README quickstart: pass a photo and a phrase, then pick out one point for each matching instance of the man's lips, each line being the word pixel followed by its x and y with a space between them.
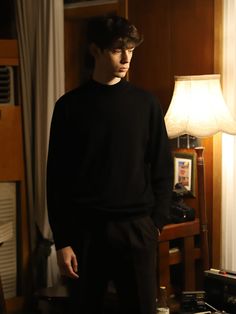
pixel 123 69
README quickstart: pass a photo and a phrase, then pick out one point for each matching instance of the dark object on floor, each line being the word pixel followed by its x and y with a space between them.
pixel 54 300
pixel 193 301
pixel 220 287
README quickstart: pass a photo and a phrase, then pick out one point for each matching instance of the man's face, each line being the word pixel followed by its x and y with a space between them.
pixel 114 62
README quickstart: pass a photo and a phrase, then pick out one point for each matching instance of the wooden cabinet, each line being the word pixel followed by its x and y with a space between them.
pixel 11 144
pixel 12 167
pixel 9 52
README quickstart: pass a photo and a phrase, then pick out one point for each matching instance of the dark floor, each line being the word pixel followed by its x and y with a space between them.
pixel 44 306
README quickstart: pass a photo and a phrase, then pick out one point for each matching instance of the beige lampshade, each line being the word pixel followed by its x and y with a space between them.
pixel 198 108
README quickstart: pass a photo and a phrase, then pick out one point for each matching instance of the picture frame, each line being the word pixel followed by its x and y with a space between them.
pixel 185 171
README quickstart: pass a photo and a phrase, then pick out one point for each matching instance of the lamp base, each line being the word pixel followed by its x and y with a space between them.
pixel 202 207
pixel 187 141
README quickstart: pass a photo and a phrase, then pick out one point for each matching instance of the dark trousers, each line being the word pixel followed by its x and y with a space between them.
pixel 121 251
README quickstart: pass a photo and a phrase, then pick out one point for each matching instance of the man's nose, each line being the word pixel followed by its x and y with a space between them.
pixel 124 56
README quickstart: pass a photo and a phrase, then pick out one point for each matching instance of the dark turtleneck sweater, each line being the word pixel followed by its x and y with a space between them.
pixel 108 157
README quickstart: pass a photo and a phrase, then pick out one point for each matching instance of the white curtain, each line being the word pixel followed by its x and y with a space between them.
pixel 40 27
pixel 228 141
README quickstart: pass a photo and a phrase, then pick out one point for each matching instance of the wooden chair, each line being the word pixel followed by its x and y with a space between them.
pixel 186 252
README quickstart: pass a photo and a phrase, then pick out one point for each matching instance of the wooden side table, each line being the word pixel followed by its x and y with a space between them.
pixel 187 252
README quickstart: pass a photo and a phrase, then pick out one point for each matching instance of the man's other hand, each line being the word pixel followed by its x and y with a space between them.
pixel 67 262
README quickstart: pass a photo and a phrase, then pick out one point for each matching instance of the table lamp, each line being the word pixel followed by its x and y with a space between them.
pixel 198 109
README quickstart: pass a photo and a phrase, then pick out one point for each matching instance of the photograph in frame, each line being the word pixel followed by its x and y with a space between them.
pixel 184 171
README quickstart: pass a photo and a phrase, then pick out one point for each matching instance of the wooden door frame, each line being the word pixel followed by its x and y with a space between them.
pixel 217 147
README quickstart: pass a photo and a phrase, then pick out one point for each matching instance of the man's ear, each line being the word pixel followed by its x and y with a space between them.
pixel 94 50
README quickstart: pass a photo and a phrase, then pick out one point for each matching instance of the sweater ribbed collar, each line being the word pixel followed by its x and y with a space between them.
pixel 107 87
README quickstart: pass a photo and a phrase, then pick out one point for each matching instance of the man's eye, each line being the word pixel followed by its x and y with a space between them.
pixel 116 50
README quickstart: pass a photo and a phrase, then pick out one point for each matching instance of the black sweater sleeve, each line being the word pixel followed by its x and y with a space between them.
pixel 161 162
pixel 57 178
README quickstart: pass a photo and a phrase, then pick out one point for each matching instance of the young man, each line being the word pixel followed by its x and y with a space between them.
pixel 109 178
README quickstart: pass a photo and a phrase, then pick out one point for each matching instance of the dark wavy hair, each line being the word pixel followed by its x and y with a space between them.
pixel 107 32
pixel 112 31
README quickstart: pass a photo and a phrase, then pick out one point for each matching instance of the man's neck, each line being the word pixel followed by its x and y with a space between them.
pixel 105 80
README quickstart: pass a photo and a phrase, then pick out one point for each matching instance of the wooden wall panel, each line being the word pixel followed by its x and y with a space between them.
pixel 151 66
pixel 178 40
pixel 74 52
pixel 192 36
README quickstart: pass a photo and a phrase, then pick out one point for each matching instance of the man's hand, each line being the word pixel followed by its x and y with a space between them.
pixel 67 262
